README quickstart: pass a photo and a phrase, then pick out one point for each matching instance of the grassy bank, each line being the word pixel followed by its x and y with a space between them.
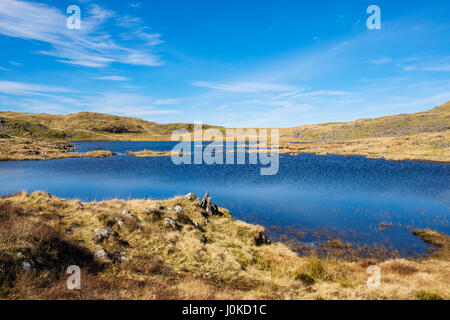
pixel 149 153
pixel 32 149
pixel 176 249
pixel 423 146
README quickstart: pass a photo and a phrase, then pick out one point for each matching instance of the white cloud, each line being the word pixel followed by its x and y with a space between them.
pixel 91 46
pixel 112 78
pixel 244 86
pixel 322 93
pixel 438 67
pixel 20 88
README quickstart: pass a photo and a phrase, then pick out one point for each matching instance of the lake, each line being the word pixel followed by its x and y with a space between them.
pixel 311 195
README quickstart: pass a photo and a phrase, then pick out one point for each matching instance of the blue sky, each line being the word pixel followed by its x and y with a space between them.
pixel 227 62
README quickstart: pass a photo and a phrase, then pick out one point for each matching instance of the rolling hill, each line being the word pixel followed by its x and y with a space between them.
pixel 434 120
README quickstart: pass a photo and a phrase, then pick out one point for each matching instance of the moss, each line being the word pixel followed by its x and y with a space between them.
pixel 305 279
pixel 425 295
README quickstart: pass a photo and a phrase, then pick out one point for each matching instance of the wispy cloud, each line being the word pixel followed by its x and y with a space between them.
pixel 16 64
pixel 437 67
pixel 112 78
pixel 244 86
pixel 322 93
pixel 381 61
pixel 91 46
pixel 20 88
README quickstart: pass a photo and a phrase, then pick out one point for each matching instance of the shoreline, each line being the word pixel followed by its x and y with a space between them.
pixel 190 250
pixel 419 148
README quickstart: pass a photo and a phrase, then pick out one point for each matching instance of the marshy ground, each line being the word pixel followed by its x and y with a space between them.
pixel 177 249
pixel 36 149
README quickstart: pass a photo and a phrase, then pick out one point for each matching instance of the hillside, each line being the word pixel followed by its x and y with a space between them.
pixel 97 126
pixel 86 126
pixel 435 120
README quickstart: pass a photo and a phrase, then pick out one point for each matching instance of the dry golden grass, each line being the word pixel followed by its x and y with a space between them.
pixel 218 259
pixel 31 149
pixel 423 146
pixel 150 153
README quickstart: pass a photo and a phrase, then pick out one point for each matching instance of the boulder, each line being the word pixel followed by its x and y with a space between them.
pixel 101 253
pixel 190 197
pixel 25 265
pixel 172 224
pixel 115 256
pixel 102 234
pixel 118 256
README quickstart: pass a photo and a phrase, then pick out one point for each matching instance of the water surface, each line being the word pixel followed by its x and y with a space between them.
pixel 349 197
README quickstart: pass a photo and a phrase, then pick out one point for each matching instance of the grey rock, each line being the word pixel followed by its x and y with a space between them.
pixel 172 224
pixel 105 232
pixel 101 253
pixel 25 265
pixel 190 197
pixel 118 256
pixel 179 210
pixel 102 234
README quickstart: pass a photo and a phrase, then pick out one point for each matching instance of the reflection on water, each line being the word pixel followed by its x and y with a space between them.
pixel 347 197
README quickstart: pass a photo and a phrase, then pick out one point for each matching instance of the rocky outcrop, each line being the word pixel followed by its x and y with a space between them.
pixel 262 239
pixel 115 256
pixel 210 208
pixel 102 234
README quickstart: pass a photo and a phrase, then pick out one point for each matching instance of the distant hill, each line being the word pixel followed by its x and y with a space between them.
pixel 97 126
pixel 435 120
pixel 87 126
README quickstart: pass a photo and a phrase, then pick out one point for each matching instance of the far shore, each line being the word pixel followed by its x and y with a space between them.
pixel 421 147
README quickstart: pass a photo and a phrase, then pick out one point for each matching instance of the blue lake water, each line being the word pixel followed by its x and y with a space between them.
pixel 348 197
